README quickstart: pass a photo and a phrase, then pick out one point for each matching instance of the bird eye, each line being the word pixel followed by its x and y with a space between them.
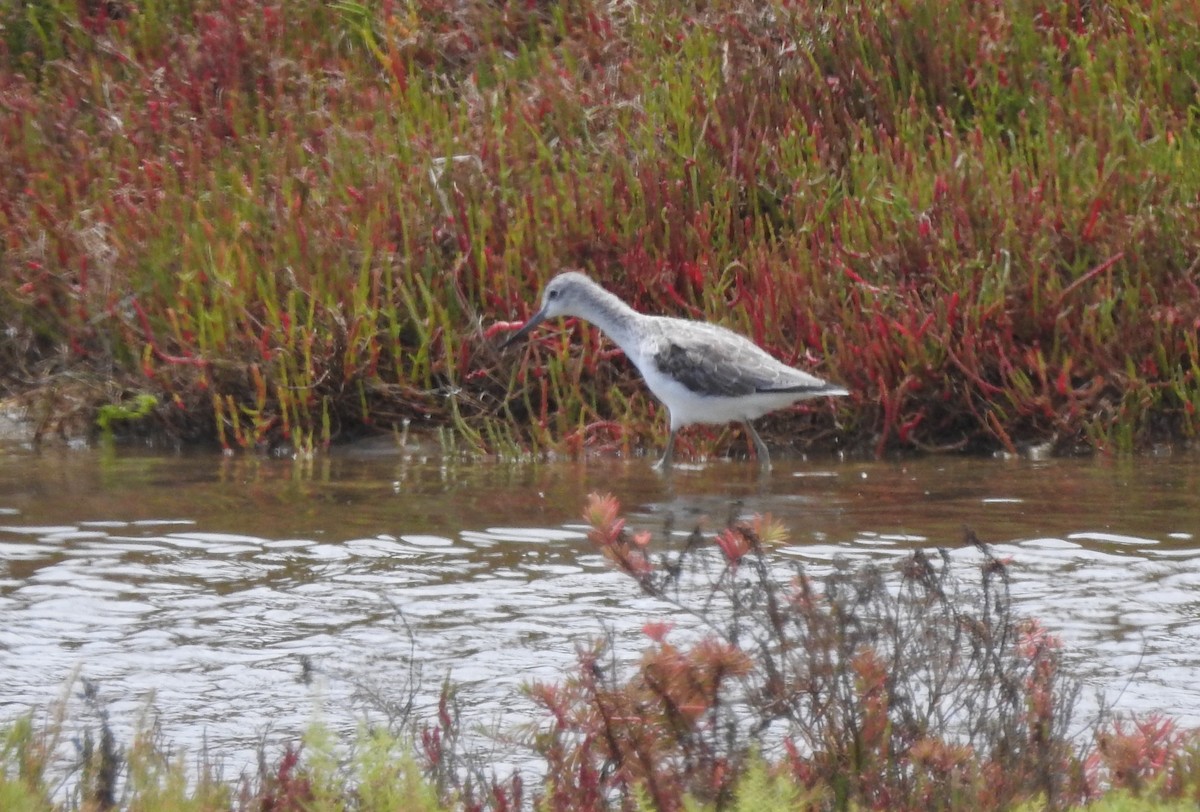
pixel 552 294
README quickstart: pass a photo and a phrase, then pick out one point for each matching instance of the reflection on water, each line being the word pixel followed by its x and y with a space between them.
pixel 211 585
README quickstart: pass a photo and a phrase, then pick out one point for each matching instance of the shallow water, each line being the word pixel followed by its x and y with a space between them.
pixel 243 597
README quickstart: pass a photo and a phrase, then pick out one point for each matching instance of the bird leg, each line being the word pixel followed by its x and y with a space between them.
pixel 668 453
pixel 760 448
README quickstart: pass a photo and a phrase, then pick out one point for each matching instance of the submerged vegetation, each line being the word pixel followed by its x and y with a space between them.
pixel 760 687
pixel 290 223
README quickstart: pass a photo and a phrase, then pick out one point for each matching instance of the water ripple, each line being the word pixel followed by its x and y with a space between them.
pixel 212 613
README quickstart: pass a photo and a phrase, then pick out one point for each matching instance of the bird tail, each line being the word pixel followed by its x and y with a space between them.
pixel 820 389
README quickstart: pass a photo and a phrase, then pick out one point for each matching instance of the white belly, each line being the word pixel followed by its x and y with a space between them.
pixel 687 407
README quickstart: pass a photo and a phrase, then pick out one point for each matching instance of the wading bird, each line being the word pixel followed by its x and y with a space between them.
pixel 702 373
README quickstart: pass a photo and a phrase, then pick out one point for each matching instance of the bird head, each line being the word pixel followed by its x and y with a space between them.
pixel 563 295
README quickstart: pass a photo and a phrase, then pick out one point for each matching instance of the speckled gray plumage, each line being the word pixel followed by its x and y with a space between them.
pixel 711 360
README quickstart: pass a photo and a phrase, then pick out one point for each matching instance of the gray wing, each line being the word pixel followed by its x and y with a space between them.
pixel 713 361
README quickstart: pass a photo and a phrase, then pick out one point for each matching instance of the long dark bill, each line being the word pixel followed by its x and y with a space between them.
pixel 533 322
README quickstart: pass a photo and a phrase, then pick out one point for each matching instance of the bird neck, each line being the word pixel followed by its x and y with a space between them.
pixel 614 318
